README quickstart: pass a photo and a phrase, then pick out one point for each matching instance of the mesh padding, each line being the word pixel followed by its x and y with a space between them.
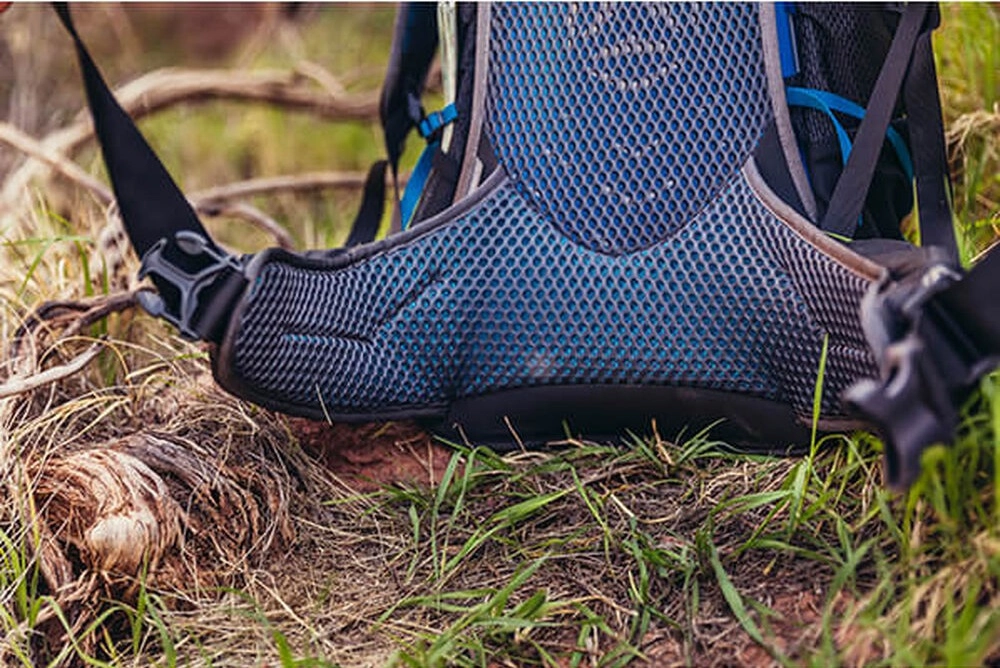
pixel 501 299
pixel 621 121
pixel 841 49
pixel 626 247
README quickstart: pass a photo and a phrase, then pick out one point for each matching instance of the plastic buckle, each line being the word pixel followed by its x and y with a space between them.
pixel 437 120
pixel 189 286
pixel 926 371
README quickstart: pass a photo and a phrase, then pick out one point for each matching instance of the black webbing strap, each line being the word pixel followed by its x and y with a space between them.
pixel 910 44
pixel 414 44
pixel 152 207
pixel 366 224
pixel 930 161
pixel 196 280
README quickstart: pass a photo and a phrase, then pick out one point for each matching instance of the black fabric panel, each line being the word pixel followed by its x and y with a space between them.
pixel 842 48
pixel 536 415
pixel 365 226
pixel 850 193
pixel 771 164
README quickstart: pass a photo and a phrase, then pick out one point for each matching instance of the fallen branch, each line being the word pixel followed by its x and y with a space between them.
pixel 15 385
pixel 209 206
pixel 271 184
pixel 54 159
pixel 250 214
pixel 167 87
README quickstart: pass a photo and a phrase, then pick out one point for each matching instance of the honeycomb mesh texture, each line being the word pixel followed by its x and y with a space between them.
pixel 500 298
pixel 621 121
pixel 841 49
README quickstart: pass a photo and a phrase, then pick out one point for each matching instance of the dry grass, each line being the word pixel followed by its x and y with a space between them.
pixel 148 518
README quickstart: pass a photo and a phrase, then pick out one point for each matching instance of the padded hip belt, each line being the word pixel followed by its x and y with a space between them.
pixel 496 298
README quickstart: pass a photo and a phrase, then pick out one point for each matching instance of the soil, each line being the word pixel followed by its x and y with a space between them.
pixel 368 456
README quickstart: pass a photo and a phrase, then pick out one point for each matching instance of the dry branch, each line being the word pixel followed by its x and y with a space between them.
pixel 307 182
pixel 167 87
pixel 250 214
pixel 19 385
pixel 42 151
pixel 209 206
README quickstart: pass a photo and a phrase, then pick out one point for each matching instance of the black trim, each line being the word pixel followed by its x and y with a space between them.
pixel 540 415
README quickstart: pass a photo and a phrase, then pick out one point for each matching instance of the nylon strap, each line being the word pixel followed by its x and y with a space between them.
pixel 930 161
pixel 851 190
pixel 152 207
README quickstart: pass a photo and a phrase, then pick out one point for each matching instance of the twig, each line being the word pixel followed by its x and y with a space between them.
pixel 250 214
pixel 164 88
pixel 65 167
pixel 79 313
pixel 15 386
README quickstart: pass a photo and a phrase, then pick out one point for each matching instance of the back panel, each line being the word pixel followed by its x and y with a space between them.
pixel 620 122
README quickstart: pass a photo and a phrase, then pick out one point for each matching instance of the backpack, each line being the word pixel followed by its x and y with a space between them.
pixel 625 213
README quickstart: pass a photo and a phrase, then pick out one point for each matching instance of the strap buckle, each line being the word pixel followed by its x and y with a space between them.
pixel 199 300
pixel 928 368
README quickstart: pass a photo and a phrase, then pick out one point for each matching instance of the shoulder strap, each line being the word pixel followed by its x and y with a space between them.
pixel 196 280
pixel 152 207
pixel 908 69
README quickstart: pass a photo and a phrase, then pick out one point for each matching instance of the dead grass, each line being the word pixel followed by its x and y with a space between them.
pixel 148 518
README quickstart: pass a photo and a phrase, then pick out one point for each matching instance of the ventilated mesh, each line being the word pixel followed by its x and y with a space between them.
pixel 841 49
pixel 626 248
pixel 501 299
pixel 621 121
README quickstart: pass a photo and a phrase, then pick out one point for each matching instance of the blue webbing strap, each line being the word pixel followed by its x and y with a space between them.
pixel 787 48
pixel 828 103
pixel 429 128
pixel 415 186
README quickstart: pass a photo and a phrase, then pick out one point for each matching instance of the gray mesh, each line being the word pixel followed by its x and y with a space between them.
pixel 621 121
pixel 501 299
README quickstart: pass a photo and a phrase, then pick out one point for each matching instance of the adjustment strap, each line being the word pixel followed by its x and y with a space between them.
pixel 151 205
pixel 437 120
pixel 849 195
pixel 366 224
pixel 430 129
pixel 925 125
pixel 196 280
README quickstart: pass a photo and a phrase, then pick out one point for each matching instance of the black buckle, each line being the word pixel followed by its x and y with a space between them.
pixel 191 313
pixel 928 367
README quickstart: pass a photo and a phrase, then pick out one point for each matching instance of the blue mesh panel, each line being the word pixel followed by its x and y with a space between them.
pixel 500 299
pixel 621 121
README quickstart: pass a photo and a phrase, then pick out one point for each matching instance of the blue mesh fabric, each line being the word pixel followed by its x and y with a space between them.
pixel 621 121
pixel 625 248
pixel 501 299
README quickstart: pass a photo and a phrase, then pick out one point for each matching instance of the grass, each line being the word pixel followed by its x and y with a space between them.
pixel 670 550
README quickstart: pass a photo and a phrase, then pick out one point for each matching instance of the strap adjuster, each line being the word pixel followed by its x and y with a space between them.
pixel 201 307
pixel 928 368
pixel 436 120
